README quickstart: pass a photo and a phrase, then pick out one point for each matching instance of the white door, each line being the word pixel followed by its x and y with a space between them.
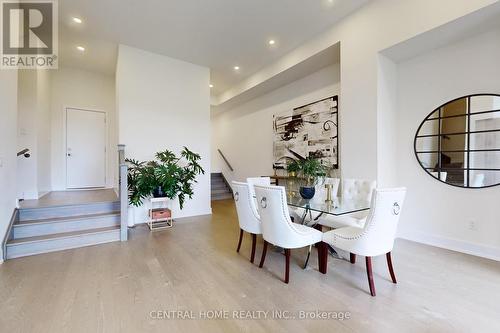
pixel 85 148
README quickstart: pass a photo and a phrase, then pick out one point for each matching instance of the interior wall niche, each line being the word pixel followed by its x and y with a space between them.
pixel 459 142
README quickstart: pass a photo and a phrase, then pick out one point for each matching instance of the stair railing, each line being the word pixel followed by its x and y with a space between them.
pixel 123 192
pixel 225 160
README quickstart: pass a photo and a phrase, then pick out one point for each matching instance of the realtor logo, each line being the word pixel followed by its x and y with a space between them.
pixel 29 34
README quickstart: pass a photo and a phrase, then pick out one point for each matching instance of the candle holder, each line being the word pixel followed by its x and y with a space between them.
pixel 329 188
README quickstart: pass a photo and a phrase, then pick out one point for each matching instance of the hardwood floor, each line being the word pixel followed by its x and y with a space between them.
pixel 194 266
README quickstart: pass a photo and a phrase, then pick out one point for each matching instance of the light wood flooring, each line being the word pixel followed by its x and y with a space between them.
pixel 194 266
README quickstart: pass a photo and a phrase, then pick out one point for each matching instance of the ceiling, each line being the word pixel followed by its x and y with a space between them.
pixel 218 34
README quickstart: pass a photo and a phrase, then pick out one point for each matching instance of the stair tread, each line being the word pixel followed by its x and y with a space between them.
pixel 61 235
pixel 222 196
pixel 68 205
pixel 65 218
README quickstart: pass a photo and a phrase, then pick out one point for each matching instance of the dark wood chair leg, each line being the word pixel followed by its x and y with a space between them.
pixel 264 252
pixel 287 265
pixel 370 275
pixel 391 269
pixel 254 241
pixel 318 227
pixel 239 242
pixel 323 257
pixel 353 258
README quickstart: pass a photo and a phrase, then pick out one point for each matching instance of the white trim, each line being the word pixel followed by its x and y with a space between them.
pixel 457 245
pixel 65 136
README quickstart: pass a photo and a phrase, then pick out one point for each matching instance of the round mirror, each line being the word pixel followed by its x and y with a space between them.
pixel 459 142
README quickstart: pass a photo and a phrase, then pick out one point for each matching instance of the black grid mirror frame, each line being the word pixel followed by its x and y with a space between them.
pixel 439 169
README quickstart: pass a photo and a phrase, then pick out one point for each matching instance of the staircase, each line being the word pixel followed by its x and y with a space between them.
pixel 48 229
pixel 220 189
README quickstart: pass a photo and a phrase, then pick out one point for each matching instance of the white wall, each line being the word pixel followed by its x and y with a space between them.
pixel 437 213
pixel 374 27
pixel 245 133
pixel 34 133
pixel 27 187
pixel 8 148
pixel 43 118
pixel 81 89
pixel 164 103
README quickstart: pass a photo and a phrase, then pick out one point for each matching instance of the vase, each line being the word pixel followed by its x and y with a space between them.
pixel 158 192
pixel 307 192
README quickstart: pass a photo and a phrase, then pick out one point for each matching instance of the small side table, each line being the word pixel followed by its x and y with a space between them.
pixel 160 216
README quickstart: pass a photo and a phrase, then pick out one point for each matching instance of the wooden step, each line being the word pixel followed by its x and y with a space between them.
pixel 219 187
pixel 221 191
pixel 43 213
pixel 224 196
pixel 40 227
pixel 27 246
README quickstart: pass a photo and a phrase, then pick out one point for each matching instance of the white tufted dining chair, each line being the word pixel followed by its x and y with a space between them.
pixel 320 196
pixel 252 181
pixel 352 189
pixel 374 239
pixel 277 227
pixel 248 216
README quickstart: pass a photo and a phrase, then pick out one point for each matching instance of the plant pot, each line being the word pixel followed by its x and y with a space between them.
pixel 307 192
pixel 158 193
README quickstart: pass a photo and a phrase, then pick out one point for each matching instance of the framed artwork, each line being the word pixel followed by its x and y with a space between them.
pixel 307 131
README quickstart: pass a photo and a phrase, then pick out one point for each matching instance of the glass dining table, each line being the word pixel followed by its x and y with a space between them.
pixel 338 206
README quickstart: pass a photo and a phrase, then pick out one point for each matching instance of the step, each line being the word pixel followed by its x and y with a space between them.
pixel 56 242
pixel 42 213
pixel 222 191
pixel 219 186
pixel 224 196
pixel 32 228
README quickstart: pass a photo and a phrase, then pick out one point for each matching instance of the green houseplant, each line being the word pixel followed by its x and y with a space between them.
pixel 309 171
pixel 165 176
pixel 293 168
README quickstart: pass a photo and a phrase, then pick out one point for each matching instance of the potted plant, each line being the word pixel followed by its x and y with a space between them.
pixel 293 168
pixel 166 176
pixel 309 171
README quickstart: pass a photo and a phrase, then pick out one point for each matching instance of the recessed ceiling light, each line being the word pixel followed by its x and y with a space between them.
pixel 211 85
pixel 236 68
pixel 77 20
pixel 80 48
pixel 272 42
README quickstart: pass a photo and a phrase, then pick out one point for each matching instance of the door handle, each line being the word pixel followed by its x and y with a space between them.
pixel 69 154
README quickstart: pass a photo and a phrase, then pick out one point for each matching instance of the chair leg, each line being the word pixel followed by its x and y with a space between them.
pixel 370 275
pixel 353 258
pixel 318 227
pixel 323 257
pixel 254 241
pixel 264 252
pixel 287 265
pixel 308 256
pixel 239 242
pixel 391 269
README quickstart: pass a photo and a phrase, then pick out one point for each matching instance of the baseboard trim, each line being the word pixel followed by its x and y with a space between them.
pixel 457 245
pixel 8 234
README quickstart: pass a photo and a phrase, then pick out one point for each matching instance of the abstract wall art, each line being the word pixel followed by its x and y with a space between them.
pixel 307 131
